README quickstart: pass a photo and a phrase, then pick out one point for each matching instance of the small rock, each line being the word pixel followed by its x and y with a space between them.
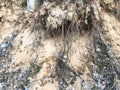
pixel 98 50
pixel 4 45
pixel 1 85
pixel 65 57
pixel 25 88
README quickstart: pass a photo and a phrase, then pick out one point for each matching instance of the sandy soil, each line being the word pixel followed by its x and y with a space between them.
pixel 32 56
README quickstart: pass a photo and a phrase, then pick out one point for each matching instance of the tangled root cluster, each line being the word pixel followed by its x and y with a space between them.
pixel 77 12
pixel 81 15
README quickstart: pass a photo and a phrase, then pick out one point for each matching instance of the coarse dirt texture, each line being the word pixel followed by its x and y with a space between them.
pixel 63 45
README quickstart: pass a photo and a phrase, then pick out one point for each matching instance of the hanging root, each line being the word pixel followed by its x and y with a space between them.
pixel 74 15
pixel 66 75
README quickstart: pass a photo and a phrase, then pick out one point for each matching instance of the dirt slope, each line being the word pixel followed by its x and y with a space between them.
pixel 32 58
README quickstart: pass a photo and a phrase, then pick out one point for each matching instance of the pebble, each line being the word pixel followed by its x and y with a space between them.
pixel 4 45
pixel 1 85
pixel 98 50
pixel 25 88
